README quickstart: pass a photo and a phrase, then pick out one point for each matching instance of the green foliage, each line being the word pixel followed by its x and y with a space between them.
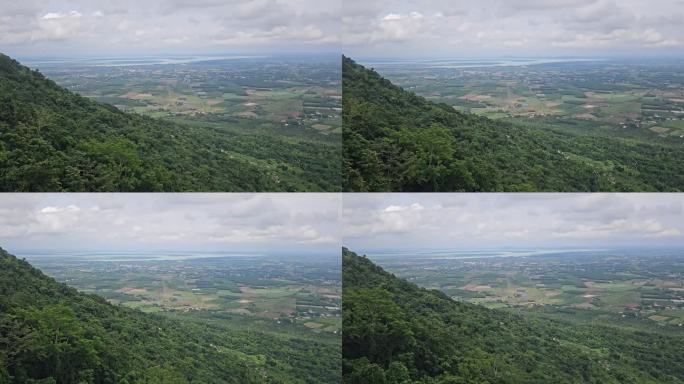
pixel 54 345
pixel 396 332
pixel 51 333
pixel 397 141
pixel 54 140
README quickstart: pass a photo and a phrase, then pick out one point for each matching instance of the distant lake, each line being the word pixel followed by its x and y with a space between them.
pixel 469 254
pixel 45 257
pixel 131 256
pixel 129 62
pixel 475 63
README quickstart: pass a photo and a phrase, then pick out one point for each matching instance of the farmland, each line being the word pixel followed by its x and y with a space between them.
pixel 646 96
pixel 628 287
pixel 284 293
pixel 243 92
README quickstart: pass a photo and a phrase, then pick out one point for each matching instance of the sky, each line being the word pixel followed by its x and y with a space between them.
pixel 66 28
pixel 286 223
pixel 461 28
pixel 262 223
pixel 361 28
pixel 488 221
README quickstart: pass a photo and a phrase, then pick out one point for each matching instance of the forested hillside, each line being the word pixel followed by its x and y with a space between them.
pixel 54 140
pixel 51 333
pixel 396 332
pixel 395 140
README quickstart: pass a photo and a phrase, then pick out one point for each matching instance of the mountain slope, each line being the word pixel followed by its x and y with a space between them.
pixel 394 140
pixel 54 140
pixel 396 332
pixel 51 333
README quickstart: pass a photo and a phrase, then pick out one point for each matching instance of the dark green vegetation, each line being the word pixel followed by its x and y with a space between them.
pixel 51 333
pixel 54 140
pixel 396 332
pixel 395 140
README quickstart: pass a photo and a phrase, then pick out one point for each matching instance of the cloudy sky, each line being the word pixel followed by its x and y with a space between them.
pixel 185 222
pixel 449 28
pixel 471 221
pixel 107 27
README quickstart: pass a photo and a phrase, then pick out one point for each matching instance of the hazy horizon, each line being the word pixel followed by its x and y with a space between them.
pixel 514 247
pixel 208 55
pixel 593 57
pixel 179 254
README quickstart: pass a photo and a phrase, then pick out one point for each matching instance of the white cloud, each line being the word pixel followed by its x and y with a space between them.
pixel 392 219
pixel 438 28
pixel 649 38
pixel 69 208
pixel 158 26
pixel 399 208
pixel 489 220
pixel 285 222
pixel 57 15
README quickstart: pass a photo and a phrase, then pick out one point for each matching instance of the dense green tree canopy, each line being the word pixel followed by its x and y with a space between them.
pixel 54 140
pixel 395 332
pixel 394 140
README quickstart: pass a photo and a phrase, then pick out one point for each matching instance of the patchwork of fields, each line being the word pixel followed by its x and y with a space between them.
pixel 278 92
pixel 602 93
pixel 639 286
pixel 304 292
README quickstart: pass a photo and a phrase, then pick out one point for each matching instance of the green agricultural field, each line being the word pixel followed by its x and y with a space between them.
pixel 236 286
pixel 193 91
pixel 643 96
pixel 613 286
